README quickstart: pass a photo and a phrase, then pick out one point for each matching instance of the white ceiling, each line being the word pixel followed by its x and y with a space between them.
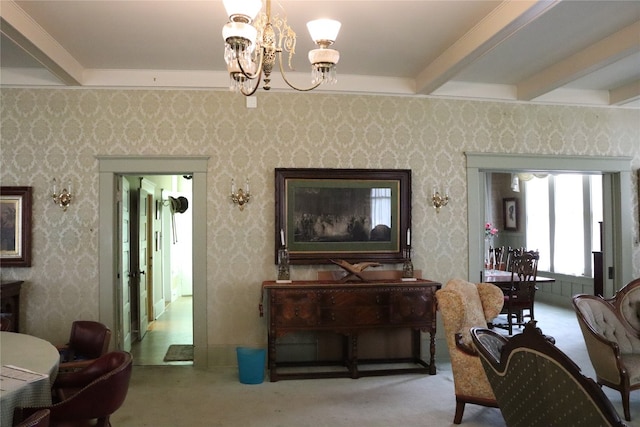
pixel 568 52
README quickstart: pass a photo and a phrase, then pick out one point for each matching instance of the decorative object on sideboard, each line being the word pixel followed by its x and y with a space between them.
pixel 252 49
pixel 284 272
pixel 354 270
pixel 439 200
pixel 407 265
pixel 63 197
pixel 242 196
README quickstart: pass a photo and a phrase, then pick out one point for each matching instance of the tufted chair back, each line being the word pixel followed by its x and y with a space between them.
pixel 613 347
pixel 627 303
pixel 536 384
pixel 464 305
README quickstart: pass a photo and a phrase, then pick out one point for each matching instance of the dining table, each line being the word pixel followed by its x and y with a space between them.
pixel 500 277
pixel 29 366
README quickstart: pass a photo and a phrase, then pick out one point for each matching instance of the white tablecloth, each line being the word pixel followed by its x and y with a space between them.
pixel 30 353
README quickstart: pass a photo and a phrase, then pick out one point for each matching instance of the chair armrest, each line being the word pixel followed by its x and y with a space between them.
pixel 604 354
pixel 466 349
pixel 75 378
pixel 75 365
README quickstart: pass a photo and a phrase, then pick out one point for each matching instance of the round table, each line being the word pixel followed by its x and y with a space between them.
pixel 34 354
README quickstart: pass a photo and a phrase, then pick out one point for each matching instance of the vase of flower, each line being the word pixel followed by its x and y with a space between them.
pixel 490 232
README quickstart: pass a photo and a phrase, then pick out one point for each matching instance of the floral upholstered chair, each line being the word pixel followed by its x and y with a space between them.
pixel 465 305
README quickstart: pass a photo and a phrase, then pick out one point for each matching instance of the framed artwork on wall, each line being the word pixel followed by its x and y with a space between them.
pixel 350 214
pixel 510 213
pixel 15 226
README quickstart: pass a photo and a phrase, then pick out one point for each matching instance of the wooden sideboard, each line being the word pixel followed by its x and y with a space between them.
pixel 349 309
pixel 10 302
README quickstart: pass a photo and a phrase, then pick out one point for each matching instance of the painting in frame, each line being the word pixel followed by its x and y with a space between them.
pixel 15 226
pixel 510 213
pixel 354 215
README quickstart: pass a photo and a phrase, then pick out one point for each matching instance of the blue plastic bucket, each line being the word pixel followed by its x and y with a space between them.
pixel 251 363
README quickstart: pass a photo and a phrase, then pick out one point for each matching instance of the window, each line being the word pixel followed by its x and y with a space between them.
pixel 562 221
pixel 381 206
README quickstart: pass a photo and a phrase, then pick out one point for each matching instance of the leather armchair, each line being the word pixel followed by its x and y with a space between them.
pixel 464 305
pixel 38 419
pixel 88 340
pixel 91 394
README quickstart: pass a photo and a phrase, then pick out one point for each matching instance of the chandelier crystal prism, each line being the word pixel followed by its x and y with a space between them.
pixel 253 44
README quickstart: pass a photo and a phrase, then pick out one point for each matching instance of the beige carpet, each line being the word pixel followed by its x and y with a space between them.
pixel 176 396
pixel 179 353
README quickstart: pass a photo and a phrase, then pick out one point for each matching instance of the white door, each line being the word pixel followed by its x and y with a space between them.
pixel 125 263
pixel 143 253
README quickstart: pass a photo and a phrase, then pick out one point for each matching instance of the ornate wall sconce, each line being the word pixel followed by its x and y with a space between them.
pixel 439 200
pixel 242 196
pixel 62 198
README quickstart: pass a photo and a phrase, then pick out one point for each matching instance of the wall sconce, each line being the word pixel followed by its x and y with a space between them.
pixel 439 200
pixel 64 197
pixel 240 197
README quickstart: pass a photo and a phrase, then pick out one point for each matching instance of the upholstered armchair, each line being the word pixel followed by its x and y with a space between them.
pixel 536 384
pixel 464 305
pixel 613 345
pixel 627 302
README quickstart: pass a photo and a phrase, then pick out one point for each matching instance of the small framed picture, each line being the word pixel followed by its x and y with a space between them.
pixel 15 226
pixel 510 213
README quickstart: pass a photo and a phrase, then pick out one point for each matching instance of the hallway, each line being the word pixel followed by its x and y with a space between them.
pixel 174 326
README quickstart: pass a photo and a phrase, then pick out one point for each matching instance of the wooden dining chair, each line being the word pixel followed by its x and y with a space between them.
pixel 498 253
pixel 519 294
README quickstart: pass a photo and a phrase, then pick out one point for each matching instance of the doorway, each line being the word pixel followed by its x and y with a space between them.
pixel 616 173
pixel 161 288
pixel 110 268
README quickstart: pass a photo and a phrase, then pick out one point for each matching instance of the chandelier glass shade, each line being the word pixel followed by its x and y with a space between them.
pixel 254 44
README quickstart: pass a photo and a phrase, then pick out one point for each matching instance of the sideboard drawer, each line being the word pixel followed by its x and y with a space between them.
pixel 411 307
pixel 359 316
pixel 295 309
pixel 350 298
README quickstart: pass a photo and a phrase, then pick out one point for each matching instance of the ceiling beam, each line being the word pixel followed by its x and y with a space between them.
pixel 605 52
pixel 504 21
pixel 36 42
pixel 625 94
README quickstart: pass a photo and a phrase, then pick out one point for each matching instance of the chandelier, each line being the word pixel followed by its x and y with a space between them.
pixel 251 47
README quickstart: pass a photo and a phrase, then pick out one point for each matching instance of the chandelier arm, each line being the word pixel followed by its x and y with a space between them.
pixel 258 69
pixel 255 87
pixel 284 77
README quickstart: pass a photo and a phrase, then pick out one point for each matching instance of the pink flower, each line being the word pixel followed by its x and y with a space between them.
pixel 490 230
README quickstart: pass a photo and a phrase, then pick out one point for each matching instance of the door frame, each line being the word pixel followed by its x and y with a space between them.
pixel 109 168
pixel 618 168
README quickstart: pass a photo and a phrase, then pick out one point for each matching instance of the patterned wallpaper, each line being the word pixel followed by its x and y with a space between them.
pixel 49 133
